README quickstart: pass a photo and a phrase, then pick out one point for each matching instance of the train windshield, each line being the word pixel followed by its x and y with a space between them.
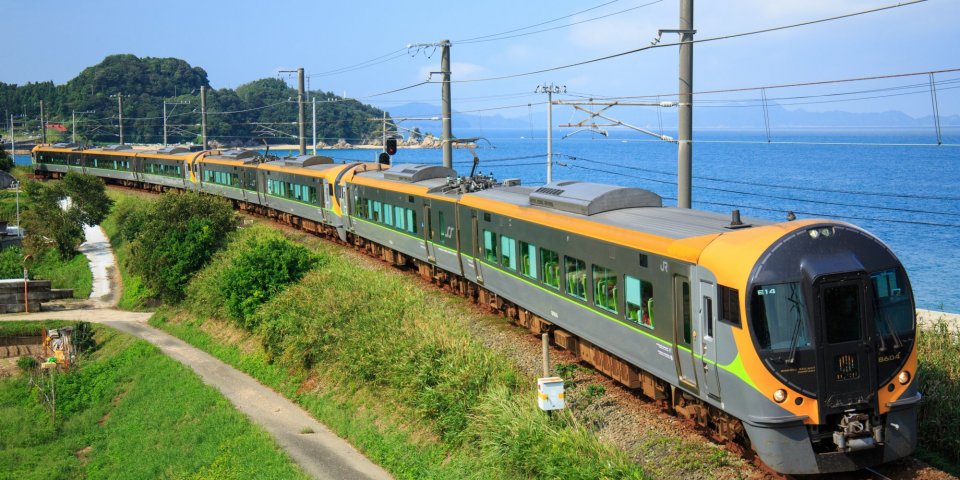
pixel 894 311
pixel 780 316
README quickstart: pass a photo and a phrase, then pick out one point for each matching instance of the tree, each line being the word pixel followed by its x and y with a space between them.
pixel 181 233
pixel 6 161
pixel 50 219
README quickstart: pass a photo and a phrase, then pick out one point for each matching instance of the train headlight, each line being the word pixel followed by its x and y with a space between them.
pixel 780 395
pixel 814 234
pixel 826 232
pixel 904 377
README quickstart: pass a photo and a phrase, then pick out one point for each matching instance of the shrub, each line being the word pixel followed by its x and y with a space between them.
pixel 26 363
pixel 260 270
pixel 939 375
pixel 83 341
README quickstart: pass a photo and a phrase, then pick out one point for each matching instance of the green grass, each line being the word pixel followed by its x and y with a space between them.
pixel 402 377
pixel 938 351
pixel 73 273
pixel 134 295
pixel 130 412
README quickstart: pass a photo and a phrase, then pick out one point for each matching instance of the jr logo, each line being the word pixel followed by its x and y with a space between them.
pixel 449 232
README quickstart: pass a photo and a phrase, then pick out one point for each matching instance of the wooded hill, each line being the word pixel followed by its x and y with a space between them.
pixel 147 82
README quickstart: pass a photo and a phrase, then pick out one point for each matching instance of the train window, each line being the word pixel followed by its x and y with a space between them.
pixel 639 301
pixel 550 266
pixel 411 221
pixel 779 316
pixel 508 252
pixel 644 260
pixel 443 226
pixel 894 312
pixel 388 214
pixel 486 216
pixel 576 277
pixel 490 246
pixel 685 292
pixel 708 311
pixel 842 313
pixel 399 218
pixel 605 288
pixel 377 211
pixel 729 299
pixel 528 259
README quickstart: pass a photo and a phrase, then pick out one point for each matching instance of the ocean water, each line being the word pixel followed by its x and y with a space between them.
pixel 903 188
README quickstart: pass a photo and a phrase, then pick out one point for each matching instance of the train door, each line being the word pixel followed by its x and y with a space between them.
pixel 326 200
pixel 428 233
pixel 708 345
pixel 477 251
pixel 683 332
pixel 847 367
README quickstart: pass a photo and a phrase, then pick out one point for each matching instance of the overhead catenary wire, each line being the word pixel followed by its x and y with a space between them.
pixel 701 40
pixel 768 209
pixel 790 187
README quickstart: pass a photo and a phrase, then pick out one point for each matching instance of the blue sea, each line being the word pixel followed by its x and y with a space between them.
pixel 897 184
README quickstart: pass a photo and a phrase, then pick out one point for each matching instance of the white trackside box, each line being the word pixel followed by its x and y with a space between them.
pixel 550 393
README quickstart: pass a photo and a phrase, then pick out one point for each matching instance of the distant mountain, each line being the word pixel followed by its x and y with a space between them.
pixel 460 121
pixel 704 117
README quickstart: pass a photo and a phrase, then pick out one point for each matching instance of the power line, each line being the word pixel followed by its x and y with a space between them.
pixel 367 63
pixel 815 214
pixel 498 36
pixel 758 184
pixel 702 40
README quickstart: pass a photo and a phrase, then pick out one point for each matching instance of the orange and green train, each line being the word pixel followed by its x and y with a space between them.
pixel 797 337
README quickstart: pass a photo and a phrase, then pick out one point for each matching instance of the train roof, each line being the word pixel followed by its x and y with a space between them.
pixel 620 207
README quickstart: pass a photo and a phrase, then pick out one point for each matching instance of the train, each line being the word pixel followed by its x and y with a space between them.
pixel 796 338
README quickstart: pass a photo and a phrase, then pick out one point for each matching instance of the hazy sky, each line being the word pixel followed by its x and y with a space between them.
pixel 237 41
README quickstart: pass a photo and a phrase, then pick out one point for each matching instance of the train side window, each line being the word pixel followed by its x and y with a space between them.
pixel 441 222
pixel 388 214
pixel 550 267
pixel 639 301
pixel 490 246
pixel 729 307
pixel 399 219
pixel 891 302
pixel 576 277
pixel 528 259
pixel 508 252
pixel 605 288
pixel 377 211
pixel 411 221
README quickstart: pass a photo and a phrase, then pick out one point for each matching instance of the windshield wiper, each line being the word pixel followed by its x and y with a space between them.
pixel 797 309
pixel 886 320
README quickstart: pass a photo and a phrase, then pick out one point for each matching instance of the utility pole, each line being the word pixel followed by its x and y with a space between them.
pixel 303 138
pixel 685 107
pixel 314 99
pixel 447 134
pixel 203 116
pixel 43 125
pixel 549 90
pixel 13 144
pixel 120 114
pixel 383 132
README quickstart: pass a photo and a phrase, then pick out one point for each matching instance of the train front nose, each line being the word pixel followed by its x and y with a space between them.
pixel 832 318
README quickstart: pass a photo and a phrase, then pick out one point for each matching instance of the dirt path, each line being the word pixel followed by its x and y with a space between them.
pixel 96 246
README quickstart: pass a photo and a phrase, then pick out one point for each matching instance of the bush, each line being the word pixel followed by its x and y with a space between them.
pixel 938 372
pixel 260 270
pixel 83 341
pixel 26 363
pixel 178 237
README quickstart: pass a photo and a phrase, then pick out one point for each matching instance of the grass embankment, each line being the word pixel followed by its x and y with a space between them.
pixel 386 364
pixel 134 294
pixel 129 411
pixel 938 349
